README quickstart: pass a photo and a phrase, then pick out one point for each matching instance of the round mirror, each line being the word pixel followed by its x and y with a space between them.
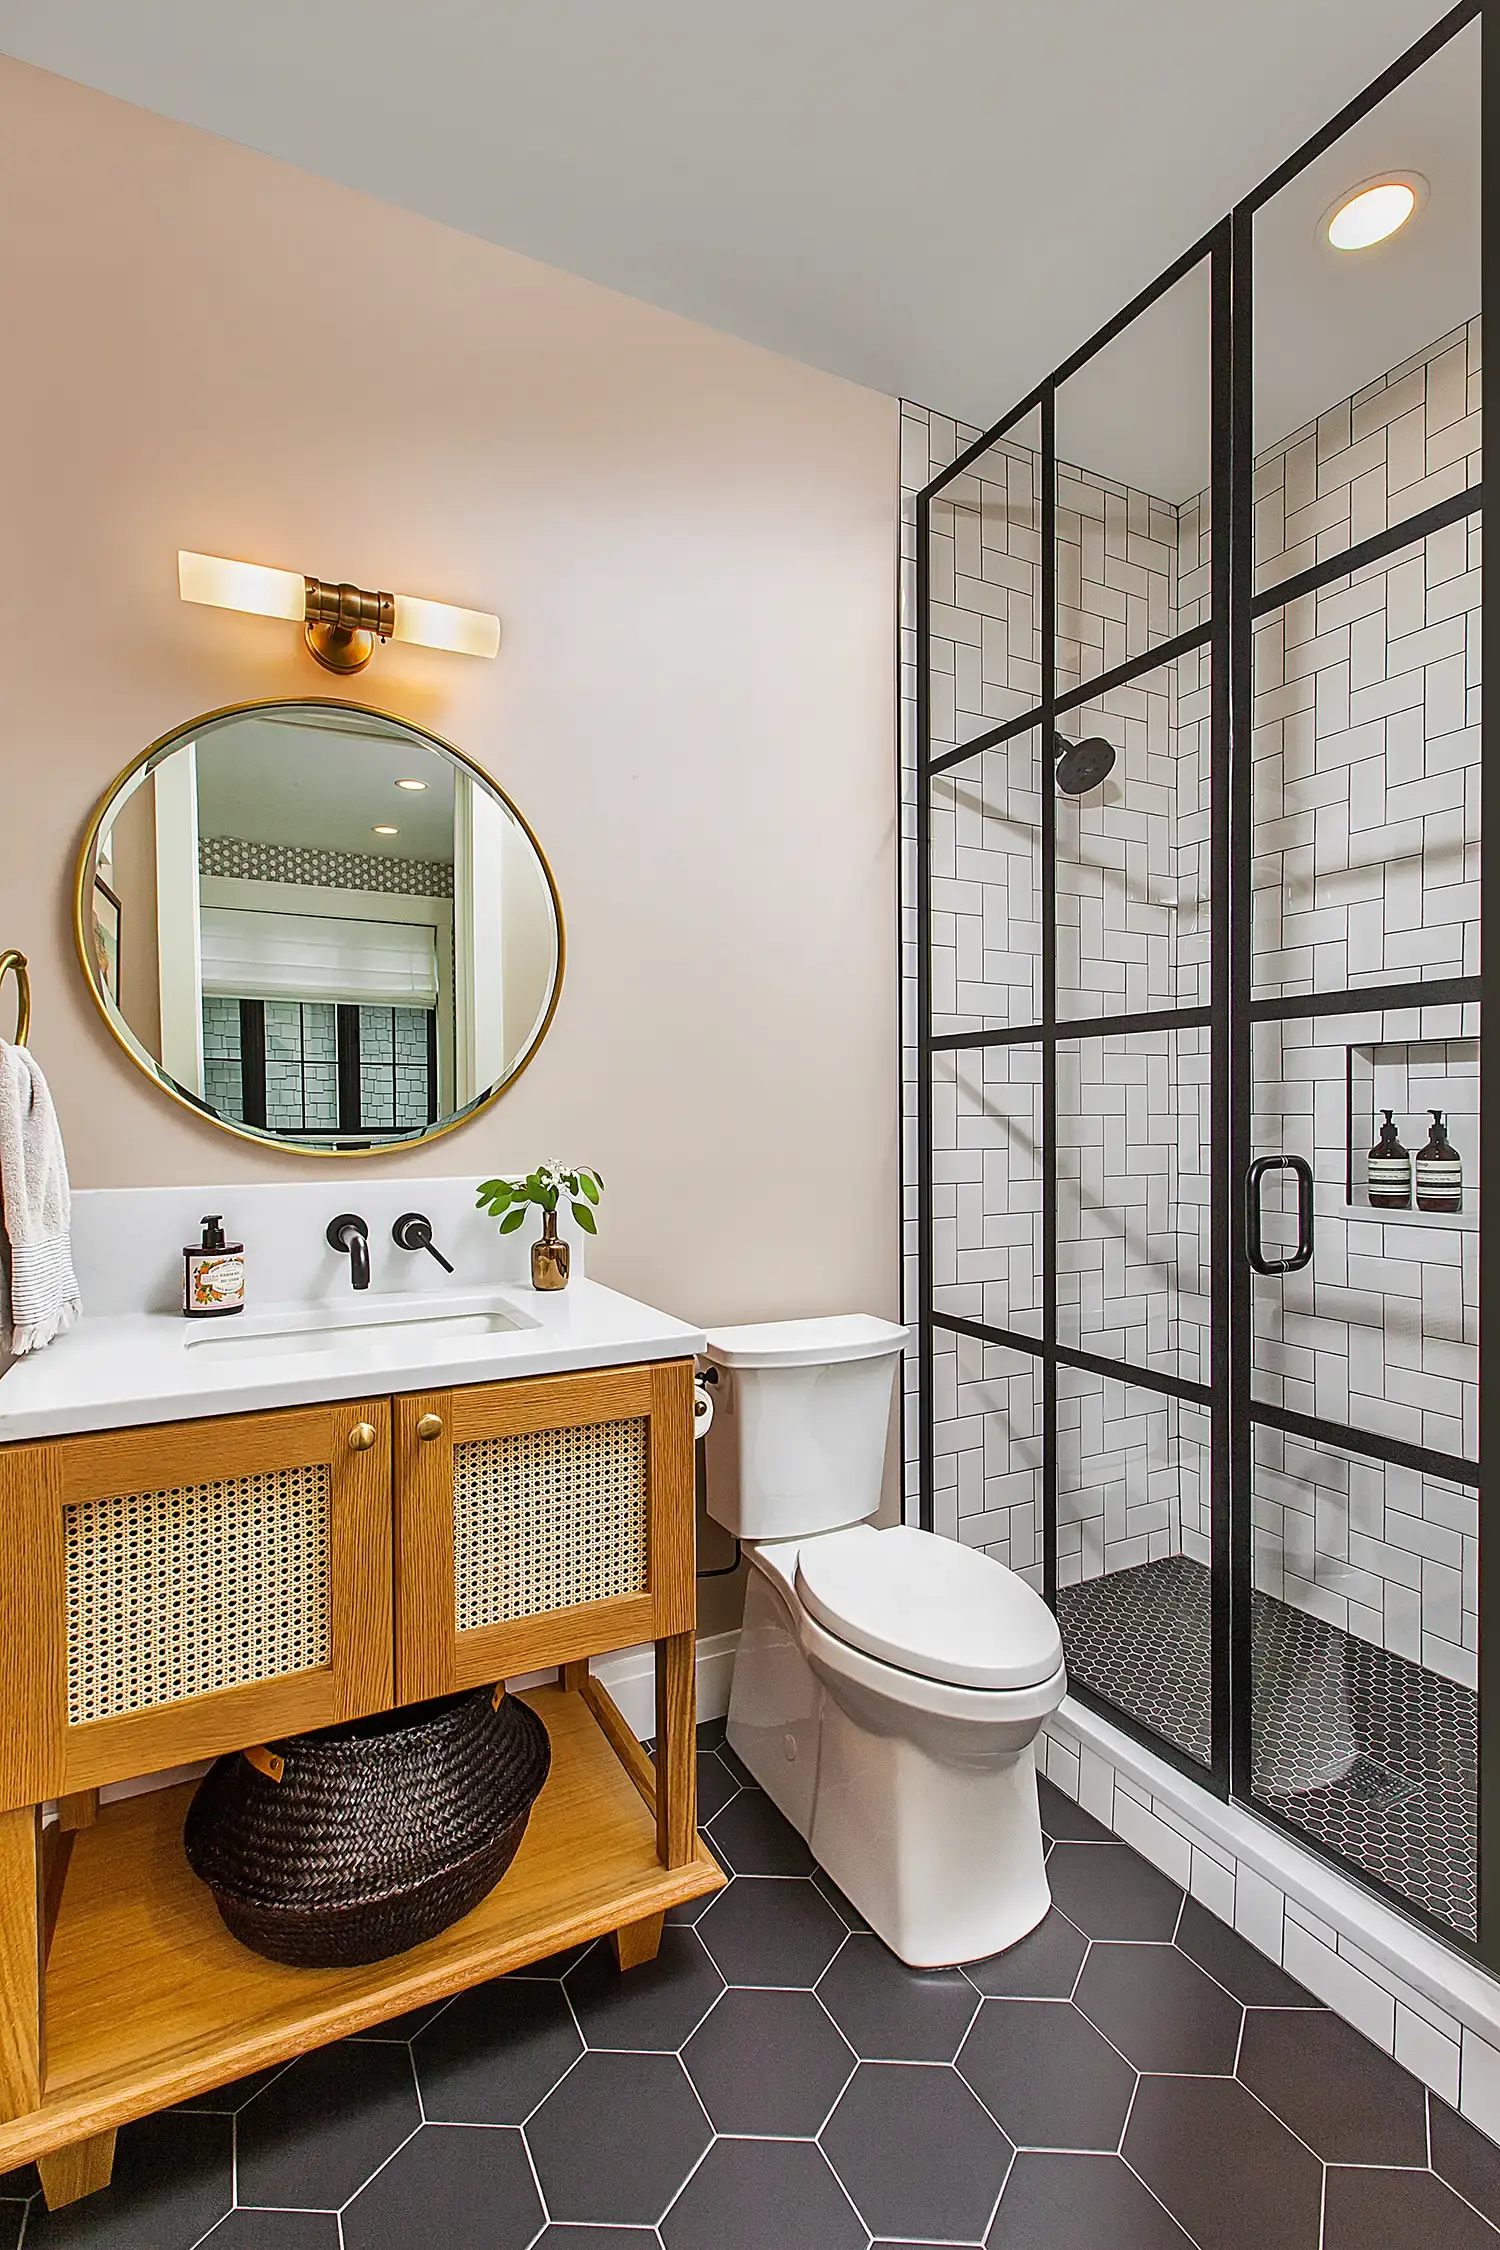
pixel 319 926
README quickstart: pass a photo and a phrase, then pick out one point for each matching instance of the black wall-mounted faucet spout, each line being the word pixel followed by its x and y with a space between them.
pixel 349 1233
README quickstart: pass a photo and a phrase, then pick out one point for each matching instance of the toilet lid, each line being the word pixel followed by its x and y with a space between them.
pixel 930 1606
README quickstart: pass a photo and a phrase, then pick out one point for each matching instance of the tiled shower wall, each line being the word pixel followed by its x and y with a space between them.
pixel 1367 752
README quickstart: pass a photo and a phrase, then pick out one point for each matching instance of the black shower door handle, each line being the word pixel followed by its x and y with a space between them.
pixel 1254 1250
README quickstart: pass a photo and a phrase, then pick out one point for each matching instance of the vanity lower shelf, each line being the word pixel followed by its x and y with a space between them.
pixel 150 2001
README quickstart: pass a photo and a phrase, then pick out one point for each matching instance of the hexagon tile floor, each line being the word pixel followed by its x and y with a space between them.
pixel 1130 2077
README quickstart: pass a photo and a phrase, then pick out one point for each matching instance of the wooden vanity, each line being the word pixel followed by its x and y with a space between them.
pixel 181 1590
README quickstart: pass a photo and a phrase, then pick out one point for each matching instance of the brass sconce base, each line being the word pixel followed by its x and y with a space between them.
pixel 343 622
pixel 340 648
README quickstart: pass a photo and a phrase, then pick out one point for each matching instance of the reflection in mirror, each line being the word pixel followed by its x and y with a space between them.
pixel 320 925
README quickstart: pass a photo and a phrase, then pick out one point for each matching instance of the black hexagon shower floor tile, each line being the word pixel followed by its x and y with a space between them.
pixel 1130 2077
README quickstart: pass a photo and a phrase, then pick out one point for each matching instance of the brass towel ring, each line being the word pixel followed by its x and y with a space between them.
pixel 13 963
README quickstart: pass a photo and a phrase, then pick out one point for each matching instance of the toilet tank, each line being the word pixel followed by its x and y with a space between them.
pixel 801 1417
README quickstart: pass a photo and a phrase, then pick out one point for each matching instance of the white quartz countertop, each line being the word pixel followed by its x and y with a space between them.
pixel 120 1370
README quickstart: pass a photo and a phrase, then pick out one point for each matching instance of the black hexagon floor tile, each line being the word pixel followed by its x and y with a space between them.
pixel 767 1929
pixel 1109 1891
pixel 847 1912
pixel 1399 2210
pixel 1348 2101
pixel 275 2230
pixel 1230 2173
pixel 1464 2158
pixel 1043 1966
pixel 615 2141
pixel 173 2178
pixel 464 2186
pixel 748 2194
pixel 1160 2009
pixel 1073 2202
pixel 890 2013
pixel 750 1837
pixel 651 2008
pixel 716 1785
pixel 769 2063
pixel 495 2051
pixel 1248 1975
pixel 1049 2077
pixel 917 2151
pixel 597 2238
pixel 318 2131
pixel 1066 1822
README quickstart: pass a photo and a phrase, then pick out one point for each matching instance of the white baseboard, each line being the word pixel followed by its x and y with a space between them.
pixel 630 1676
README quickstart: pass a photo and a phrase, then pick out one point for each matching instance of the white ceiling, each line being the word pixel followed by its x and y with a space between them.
pixel 323 783
pixel 939 198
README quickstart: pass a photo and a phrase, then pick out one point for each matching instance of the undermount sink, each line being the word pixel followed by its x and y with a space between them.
pixel 374 1331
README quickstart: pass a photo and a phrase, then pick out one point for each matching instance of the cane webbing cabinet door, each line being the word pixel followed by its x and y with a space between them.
pixel 178 1591
pixel 541 1521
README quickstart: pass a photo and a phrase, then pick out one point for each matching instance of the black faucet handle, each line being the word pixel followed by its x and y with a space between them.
pixel 413 1231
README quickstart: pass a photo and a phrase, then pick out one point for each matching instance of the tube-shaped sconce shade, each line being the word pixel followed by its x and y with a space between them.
pixel 239 585
pixel 468 632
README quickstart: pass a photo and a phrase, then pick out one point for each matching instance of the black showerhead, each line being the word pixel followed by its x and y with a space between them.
pixel 1081 766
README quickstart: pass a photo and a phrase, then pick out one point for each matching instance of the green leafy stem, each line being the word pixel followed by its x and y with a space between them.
pixel 506 1199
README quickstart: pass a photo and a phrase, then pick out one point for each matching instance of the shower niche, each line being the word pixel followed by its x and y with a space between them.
pixel 1197 795
pixel 1411 1079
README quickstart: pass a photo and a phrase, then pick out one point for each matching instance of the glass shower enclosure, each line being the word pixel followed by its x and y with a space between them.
pixel 1197 889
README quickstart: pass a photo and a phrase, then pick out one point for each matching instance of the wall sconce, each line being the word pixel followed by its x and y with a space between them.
pixel 341 623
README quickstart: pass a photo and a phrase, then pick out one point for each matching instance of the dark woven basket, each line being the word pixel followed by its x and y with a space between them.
pixel 379 1833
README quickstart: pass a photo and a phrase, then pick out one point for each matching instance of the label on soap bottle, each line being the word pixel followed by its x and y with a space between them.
pixel 213 1281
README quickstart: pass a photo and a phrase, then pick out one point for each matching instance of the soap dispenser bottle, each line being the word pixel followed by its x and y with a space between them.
pixel 213 1273
pixel 1440 1172
pixel 1389 1169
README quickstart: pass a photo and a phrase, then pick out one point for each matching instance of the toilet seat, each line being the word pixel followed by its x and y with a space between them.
pixel 928 1606
pixel 936 1699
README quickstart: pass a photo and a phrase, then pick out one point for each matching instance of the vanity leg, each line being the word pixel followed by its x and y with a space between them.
pixel 22 1991
pixel 572 1676
pixel 676 1750
pixel 637 1941
pixel 69 2173
pixel 80 1810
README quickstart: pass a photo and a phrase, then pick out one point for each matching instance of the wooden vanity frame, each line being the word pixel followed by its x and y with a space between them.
pixel 121 1992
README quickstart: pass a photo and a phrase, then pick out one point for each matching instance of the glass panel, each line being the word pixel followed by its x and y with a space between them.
pixel 984 559
pixel 1134 1250
pixel 988 1451
pixel 1367 360
pixel 1367 762
pixel 1134 882
pixel 987 1186
pixel 1364 1633
pixel 1381 1329
pixel 1134 463
pixel 986 890
pixel 1133 1536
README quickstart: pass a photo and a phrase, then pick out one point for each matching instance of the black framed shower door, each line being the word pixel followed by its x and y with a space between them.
pixel 1137 1332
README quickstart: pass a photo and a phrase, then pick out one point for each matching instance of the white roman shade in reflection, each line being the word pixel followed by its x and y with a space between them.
pixel 253 956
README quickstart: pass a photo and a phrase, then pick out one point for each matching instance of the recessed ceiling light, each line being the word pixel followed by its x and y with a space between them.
pixel 1371 213
pixel 384 832
pixel 411 785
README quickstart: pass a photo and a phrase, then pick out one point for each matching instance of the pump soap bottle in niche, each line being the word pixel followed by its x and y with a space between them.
pixel 1440 1172
pixel 213 1273
pixel 1389 1169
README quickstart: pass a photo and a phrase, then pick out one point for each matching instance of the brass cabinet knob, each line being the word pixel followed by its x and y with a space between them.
pixel 430 1426
pixel 361 1437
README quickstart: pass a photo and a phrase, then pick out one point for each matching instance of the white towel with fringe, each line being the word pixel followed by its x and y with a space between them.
pixel 40 1297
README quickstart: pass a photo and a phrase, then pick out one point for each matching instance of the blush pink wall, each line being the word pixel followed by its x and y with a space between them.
pixel 693 547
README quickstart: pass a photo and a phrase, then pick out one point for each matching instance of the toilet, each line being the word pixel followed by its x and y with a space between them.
pixel 889 1684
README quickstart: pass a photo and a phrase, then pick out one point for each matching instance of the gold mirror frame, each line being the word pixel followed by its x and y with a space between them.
pixel 120 1030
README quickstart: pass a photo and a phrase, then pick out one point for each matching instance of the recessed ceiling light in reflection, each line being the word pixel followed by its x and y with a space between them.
pixel 411 785
pixel 1372 214
pixel 384 831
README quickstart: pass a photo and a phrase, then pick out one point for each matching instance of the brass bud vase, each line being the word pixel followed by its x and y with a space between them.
pixel 550 1258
